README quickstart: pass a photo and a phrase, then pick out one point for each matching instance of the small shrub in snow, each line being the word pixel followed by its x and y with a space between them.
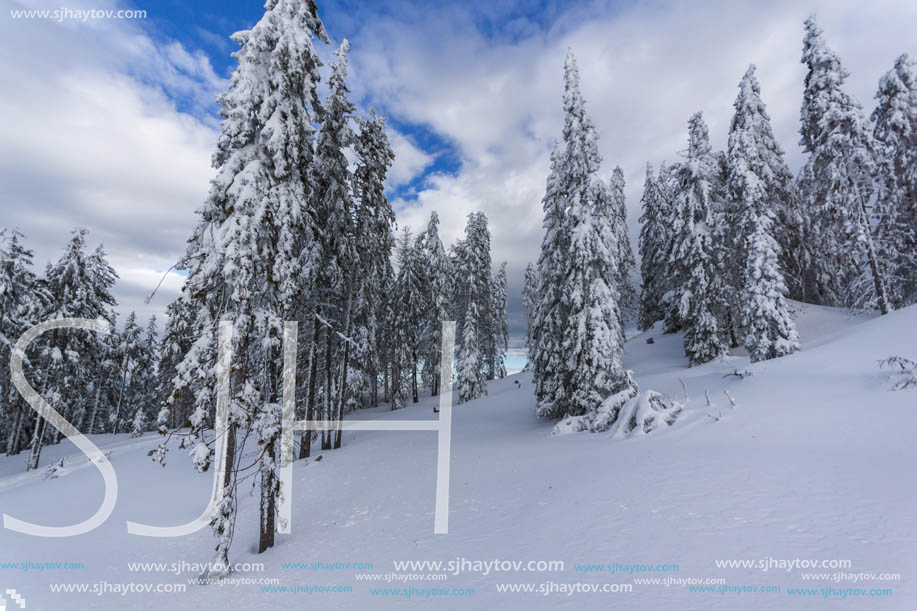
pixel 645 413
pixel 903 370
pixel 139 424
pixel 200 457
pixel 571 424
pixel 55 470
pixel 609 411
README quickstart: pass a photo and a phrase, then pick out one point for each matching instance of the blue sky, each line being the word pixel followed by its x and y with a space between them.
pixel 110 124
pixel 207 25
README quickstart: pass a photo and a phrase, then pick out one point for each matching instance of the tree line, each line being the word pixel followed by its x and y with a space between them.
pixel 726 237
pixel 296 227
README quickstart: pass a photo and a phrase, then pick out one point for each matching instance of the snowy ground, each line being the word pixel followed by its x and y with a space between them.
pixel 815 462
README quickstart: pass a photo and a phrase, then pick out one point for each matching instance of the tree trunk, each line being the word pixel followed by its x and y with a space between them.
pixel 387 396
pixel 95 409
pixel 396 385
pixel 340 414
pixel 268 498
pixel 305 443
pixel 375 375
pixel 120 398
pixel 12 444
pixel 269 483
pixel 730 324
pixel 329 383
pixel 414 393
pixel 878 280
pixel 228 517
pixel 37 439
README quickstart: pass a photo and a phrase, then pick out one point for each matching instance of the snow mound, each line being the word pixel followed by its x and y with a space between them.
pixel 625 414
pixel 644 414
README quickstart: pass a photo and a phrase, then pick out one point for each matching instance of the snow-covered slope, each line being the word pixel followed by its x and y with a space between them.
pixel 814 462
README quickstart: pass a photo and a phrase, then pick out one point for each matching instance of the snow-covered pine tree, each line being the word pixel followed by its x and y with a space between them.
pixel 693 257
pixel 147 377
pixel 437 269
pixel 836 182
pixel 103 375
pixel 458 302
pixel 100 394
pixel 769 328
pixel 195 379
pixel 549 314
pixel 473 292
pixel 627 294
pixel 500 323
pixel 668 184
pixel 895 134
pixel 139 423
pixel 410 305
pixel 375 242
pixel 337 273
pixel 654 227
pixel 529 300
pixel 252 259
pixel 476 284
pixel 591 333
pixel 756 182
pixel 470 378
pixel 177 338
pixel 128 354
pixel 80 286
pixel 23 299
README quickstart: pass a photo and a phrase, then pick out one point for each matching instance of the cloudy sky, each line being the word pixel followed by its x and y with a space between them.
pixel 110 124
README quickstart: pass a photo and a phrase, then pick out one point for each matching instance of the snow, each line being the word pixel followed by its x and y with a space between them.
pixel 814 462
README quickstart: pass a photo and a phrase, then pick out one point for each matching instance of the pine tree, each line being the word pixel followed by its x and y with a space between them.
pixel 23 299
pixel 103 388
pixel 627 295
pixel 139 423
pixel 837 180
pixel 80 286
pixel 375 242
pixel 437 270
pixel 500 323
pixel 895 136
pixel 654 227
pixel 769 328
pixel 99 397
pixel 693 256
pixel 332 183
pixel 529 301
pixel 592 337
pixel 667 186
pixel 549 313
pixel 147 377
pixel 254 255
pixel 410 305
pixel 176 342
pixel 474 288
pixel 757 180
pixel 128 354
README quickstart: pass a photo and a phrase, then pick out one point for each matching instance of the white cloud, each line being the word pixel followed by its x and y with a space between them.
pixel 645 68
pixel 90 138
pixel 409 162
